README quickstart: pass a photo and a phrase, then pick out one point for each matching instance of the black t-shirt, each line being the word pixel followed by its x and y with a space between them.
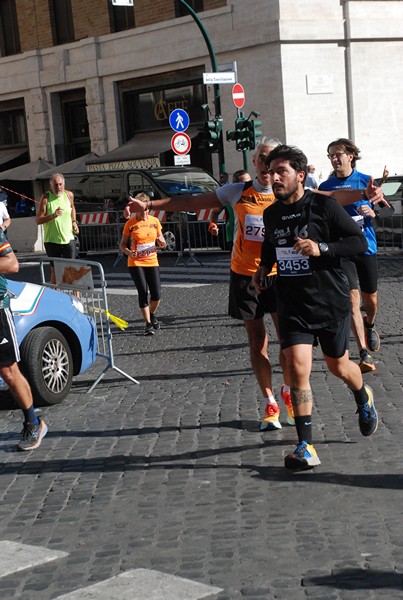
pixel 312 291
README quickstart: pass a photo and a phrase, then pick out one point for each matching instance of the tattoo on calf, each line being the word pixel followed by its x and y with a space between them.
pixel 299 396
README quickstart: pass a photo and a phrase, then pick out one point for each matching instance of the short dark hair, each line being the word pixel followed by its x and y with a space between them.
pixel 237 174
pixel 294 155
pixel 349 147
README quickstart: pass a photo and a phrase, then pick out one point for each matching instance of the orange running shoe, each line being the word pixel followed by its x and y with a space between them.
pixel 286 396
pixel 271 419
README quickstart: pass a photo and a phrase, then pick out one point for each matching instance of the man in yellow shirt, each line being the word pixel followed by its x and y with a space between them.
pixel 57 213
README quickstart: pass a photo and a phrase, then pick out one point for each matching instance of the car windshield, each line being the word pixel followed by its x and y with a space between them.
pixel 184 182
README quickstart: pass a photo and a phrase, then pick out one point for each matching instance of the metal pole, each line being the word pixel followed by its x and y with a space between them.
pixel 348 67
pixel 217 97
pixel 245 159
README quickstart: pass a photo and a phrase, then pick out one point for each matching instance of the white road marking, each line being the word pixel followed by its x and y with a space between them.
pixel 16 557
pixel 141 584
pixel 131 291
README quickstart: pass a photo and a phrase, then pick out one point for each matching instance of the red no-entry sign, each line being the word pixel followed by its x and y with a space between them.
pixel 238 95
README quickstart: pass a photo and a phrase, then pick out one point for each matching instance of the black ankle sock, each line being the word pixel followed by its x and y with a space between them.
pixel 361 396
pixel 303 426
pixel 367 325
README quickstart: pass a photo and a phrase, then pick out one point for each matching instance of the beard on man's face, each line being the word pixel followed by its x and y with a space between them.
pixel 282 192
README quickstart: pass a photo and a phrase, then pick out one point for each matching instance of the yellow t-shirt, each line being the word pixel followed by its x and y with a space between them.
pixel 60 230
pixel 249 231
pixel 143 235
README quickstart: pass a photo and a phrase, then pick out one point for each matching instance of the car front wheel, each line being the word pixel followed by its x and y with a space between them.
pixel 47 362
pixel 170 241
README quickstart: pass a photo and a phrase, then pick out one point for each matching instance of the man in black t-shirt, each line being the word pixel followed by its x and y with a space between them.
pixel 307 233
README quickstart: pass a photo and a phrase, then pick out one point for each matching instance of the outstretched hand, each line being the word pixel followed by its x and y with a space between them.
pixel 375 194
pixel 134 206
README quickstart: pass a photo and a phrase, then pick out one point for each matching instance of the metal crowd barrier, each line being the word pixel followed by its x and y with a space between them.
pixel 77 277
pixel 187 233
pixel 389 234
pixel 100 232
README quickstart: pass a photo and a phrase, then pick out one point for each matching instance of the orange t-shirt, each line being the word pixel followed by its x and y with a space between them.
pixel 143 235
pixel 249 231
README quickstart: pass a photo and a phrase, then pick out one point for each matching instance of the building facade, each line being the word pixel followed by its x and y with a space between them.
pixel 79 77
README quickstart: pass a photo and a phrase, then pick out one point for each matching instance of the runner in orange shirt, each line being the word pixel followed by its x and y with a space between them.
pixel 141 235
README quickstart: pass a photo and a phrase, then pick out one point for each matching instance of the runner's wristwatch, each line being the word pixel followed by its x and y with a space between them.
pixel 323 248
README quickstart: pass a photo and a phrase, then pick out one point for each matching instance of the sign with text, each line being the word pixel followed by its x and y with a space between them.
pixel 213 78
pixel 180 160
pixel 135 163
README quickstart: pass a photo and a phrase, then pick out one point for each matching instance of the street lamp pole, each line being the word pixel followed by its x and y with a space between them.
pixel 217 97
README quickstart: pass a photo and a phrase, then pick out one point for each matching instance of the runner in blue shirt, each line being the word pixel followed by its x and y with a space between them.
pixel 361 269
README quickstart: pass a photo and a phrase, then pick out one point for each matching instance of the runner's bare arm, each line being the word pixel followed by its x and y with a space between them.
pixel 176 203
pixel 372 193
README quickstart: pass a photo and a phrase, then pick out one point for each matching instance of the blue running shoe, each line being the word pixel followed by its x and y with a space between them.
pixel 32 435
pixel 303 458
pixel 367 415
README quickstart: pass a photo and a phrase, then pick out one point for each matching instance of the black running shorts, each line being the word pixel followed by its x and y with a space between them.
pixel 333 339
pixel 245 303
pixel 362 272
pixel 61 250
pixel 9 351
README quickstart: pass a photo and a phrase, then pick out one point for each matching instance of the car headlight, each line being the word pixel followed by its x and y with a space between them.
pixel 78 305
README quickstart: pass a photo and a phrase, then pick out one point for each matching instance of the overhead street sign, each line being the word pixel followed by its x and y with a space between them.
pixel 218 78
pixel 179 120
pixel 238 95
pixel 181 143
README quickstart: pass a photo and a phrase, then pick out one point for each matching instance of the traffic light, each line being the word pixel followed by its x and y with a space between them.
pixel 256 133
pixel 242 137
pixel 246 132
pixel 211 133
pixel 231 135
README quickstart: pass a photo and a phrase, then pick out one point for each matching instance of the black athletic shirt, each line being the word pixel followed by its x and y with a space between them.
pixel 312 291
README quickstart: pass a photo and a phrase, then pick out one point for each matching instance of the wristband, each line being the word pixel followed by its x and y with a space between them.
pixel 364 196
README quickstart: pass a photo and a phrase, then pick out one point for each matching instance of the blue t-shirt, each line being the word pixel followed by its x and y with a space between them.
pixel 355 181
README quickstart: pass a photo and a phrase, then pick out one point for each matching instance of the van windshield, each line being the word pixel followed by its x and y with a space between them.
pixel 184 182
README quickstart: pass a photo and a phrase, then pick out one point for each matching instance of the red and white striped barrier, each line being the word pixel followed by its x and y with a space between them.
pixel 205 213
pixel 202 215
pixel 160 215
pixel 94 218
